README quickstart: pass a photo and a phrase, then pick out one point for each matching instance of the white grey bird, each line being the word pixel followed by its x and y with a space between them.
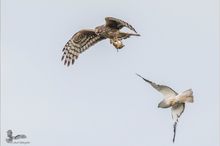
pixel 172 99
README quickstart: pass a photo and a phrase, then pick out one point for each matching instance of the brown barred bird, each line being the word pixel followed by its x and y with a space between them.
pixel 85 38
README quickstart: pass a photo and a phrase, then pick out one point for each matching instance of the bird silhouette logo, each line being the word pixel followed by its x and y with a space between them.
pixel 10 136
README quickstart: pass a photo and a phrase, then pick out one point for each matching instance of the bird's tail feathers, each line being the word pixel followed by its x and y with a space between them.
pixel 134 34
pixel 189 99
pixel 187 96
pixel 123 35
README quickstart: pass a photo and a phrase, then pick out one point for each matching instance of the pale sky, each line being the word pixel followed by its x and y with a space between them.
pixel 99 101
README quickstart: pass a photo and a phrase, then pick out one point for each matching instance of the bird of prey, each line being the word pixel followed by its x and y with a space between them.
pixel 11 137
pixel 172 99
pixel 85 38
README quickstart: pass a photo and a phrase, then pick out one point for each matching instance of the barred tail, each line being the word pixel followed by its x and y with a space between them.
pixel 123 35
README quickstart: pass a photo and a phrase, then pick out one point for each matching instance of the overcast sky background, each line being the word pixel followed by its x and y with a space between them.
pixel 99 101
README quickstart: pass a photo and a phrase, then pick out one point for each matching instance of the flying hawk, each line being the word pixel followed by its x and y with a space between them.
pixel 172 99
pixel 85 38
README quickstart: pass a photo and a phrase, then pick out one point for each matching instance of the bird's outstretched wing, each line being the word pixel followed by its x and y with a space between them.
pixel 165 90
pixel 80 41
pixel 21 136
pixel 176 112
pixel 118 24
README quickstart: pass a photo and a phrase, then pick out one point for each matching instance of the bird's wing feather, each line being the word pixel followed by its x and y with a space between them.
pixel 20 136
pixel 174 131
pixel 165 90
pixel 117 23
pixel 80 42
pixel 176 112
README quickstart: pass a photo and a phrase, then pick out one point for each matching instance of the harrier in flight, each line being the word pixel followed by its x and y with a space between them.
pixel 172 99
pixel 85 38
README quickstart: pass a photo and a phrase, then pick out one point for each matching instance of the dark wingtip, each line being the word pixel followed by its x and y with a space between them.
pixel 134 30
pixel 62 58
pixel 139 75
pixel 68 63
pixel 63 49
pixel 73 61
pixel 65 62
pixel 144 79
pixel 174 131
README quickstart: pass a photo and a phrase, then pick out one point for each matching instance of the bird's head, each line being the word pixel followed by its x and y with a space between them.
pixel 9 133
pixel 99 29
